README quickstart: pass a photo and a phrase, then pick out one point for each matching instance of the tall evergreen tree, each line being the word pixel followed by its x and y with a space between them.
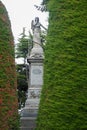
pixel 8 95
pixel 24 45
pixel 63 103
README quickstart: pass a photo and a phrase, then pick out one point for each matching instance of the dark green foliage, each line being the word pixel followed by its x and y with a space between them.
pixel 41 8
pixel 8 97
pixel 22 84
pixel 24 46
pixel 64 96
pixel 21 77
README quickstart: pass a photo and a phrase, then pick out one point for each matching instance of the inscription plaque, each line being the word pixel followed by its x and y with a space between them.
pixel 36 71
pixel 36 75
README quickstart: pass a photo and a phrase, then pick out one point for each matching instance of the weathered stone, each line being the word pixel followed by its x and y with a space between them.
pixel 36 75
pixel 28 122
pixel 35 60
pixel 32 102
pixel 29 112
pixel 34 93
pixel 25 128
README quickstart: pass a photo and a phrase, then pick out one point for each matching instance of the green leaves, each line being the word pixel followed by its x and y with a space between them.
pixel 24 46
pixel 8 97
pixel 64 99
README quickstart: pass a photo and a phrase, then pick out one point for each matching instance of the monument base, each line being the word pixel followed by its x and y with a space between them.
pixel 30 111
pixel 28 123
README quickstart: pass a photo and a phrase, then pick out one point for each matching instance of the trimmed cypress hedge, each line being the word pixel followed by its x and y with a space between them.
pixel 8 96
pixel 63 103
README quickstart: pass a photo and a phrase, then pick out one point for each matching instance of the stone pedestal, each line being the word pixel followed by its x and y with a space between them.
pixel 30 111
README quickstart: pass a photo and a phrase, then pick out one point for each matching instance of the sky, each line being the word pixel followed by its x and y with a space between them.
pixel 21 13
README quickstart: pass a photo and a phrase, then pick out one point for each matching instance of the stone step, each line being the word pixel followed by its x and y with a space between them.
pixel 32 102
pixel 29 122
pixel 27 128
pixel 29 112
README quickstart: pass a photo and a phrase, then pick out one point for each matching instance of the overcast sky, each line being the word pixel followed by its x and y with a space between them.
pixel 21 12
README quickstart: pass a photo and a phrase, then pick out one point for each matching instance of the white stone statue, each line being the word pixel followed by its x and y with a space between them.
pixel 35 26
pixel 37 50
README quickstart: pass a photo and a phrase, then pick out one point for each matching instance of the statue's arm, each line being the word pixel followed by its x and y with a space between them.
pixel 43 26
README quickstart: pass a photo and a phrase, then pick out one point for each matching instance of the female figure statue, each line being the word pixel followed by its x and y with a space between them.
pixel 35 26
pixel 37 50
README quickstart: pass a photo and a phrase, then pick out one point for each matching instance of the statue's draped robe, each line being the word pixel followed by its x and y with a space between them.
pixel 36 35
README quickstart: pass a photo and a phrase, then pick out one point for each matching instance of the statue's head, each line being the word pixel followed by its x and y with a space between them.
pixel 37 19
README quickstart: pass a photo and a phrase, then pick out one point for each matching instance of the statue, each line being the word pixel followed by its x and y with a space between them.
pixel 36 28
pixel 37 50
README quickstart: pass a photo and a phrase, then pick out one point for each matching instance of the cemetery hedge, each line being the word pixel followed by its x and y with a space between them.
pixel 8 95
pixel 63 104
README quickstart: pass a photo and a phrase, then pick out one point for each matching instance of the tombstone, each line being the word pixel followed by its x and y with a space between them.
pixel 35 60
